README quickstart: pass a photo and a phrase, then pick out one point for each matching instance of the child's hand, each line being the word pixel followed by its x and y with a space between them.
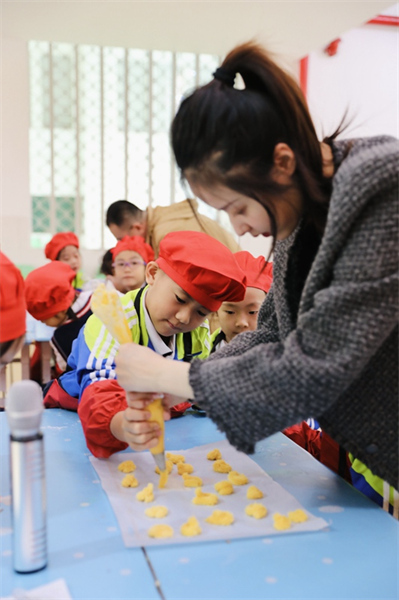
pixel 138 431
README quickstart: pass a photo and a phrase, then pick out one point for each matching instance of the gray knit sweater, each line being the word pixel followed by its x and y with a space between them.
pixel 333 353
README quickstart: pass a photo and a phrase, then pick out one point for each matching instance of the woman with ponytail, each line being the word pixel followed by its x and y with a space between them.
pixel 327 338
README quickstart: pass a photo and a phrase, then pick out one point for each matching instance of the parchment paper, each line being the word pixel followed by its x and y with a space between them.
pixel 134 524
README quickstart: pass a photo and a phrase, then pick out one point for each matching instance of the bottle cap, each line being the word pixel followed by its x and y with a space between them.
pixel 24 407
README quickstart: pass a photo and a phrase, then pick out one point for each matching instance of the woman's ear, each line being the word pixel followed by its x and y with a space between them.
pixel 284 164
pixel 151 270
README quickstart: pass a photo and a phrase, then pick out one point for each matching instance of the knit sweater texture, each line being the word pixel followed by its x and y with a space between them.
pixel 332 352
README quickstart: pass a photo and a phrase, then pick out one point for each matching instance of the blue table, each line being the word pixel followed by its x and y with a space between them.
pixel 357 557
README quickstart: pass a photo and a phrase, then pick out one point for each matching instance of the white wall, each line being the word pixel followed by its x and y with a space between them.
pixel 185 26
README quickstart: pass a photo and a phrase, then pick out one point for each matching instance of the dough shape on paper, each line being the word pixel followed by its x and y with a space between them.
pixel 221 466
pixel 156 512
pixel 214 454
pixel 224 488
pixel 254 493
pixel 184 468
pixel 175 458
pixel 161 531
pixel 237 478
pixel 191 480
pixel 256 510
pixel 169 467
pixel 204 498
pixel 127 466
pixel 220 517
pixel 298 516
pixel 281 522
pixel 146 494
pixel 191 527
pixel 129 481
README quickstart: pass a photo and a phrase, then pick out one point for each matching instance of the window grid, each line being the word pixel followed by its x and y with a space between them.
pixel 99 132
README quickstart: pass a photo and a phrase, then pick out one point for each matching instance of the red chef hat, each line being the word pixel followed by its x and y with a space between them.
pixel 252 267
pixel 135 243
pixel 203 267
pixel 48 290
pixel 12 301
pixel 58 242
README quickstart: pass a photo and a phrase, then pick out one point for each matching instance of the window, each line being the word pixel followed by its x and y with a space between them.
pixel 99 132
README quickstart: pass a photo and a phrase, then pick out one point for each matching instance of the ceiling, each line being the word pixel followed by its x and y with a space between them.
pixel 290 28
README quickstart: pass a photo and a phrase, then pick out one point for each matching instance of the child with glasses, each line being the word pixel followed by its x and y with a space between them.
pixel 128 261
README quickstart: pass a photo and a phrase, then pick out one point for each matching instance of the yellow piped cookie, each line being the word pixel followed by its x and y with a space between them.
pixel 191 480
pixel 254 493
pixel 256 510
pixel 127 466
pixel 220 517
pixel 156 512
pixel 214 454
pixel 281 522
pixel 146 494
pixel 298 516
pixel 175 458
pixel 224 488
pixel 204 498
pixel 161 531
pixel 129 481
pixel 184 468
pixel 191 527
pixel 169 467
pixel 221 466
pixel 237 478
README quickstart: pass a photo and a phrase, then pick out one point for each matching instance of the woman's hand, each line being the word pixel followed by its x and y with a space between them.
pixel 139 369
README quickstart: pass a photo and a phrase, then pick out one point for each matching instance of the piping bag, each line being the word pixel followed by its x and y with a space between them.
pixel 107 306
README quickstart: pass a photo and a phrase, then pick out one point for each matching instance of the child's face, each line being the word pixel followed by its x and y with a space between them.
pixel 236 317
pixel 71 256
pixel 170 308
pixel 56 320
pixel 129 271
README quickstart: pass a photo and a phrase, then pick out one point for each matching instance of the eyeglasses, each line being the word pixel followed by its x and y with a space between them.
pixel 125 264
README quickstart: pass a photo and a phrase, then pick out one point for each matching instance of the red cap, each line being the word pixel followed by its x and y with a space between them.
pixel 259 272
pixel 12 301
pixel 203 267
pixel 135 243
pixel 48 290
pixel 58 242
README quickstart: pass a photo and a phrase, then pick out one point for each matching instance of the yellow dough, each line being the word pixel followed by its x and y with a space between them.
pixel 127 466
pixel 146 494
pixel 204 498
pixel 298 516
pixel 160 531
pixel 169 467
pixel 175 458
pixel 156 512
pixel 237 478
pixel 184 468
pixel 163 480
pixel 221 466
pixel 254 493
pixel 281 522
pixel 191 480
pixel 220 517
pixel 191 527
pixel 256 510
pixel 224 488
pixel 214 454
pixel 129 481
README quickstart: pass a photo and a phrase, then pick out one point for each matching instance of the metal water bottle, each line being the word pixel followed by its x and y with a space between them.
pixel 24 407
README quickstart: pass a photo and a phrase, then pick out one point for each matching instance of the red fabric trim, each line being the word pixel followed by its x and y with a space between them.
pixel 57 397
pixel 179 409
pixel 99 403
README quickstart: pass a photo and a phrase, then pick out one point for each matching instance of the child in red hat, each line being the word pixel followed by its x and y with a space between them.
pixel 129 259
pixel 238 317
pixel 52 299
pixel 64 247
pixel 12 310
pixel 191 277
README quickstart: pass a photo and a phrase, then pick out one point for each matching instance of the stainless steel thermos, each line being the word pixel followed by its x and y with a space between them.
pixel 24 407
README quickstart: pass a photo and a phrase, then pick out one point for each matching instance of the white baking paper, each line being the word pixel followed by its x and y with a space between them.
pixel 56 590
pixel 134 524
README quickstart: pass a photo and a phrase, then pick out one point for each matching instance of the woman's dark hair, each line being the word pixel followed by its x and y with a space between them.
pixel 106 264
pixel 227 136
